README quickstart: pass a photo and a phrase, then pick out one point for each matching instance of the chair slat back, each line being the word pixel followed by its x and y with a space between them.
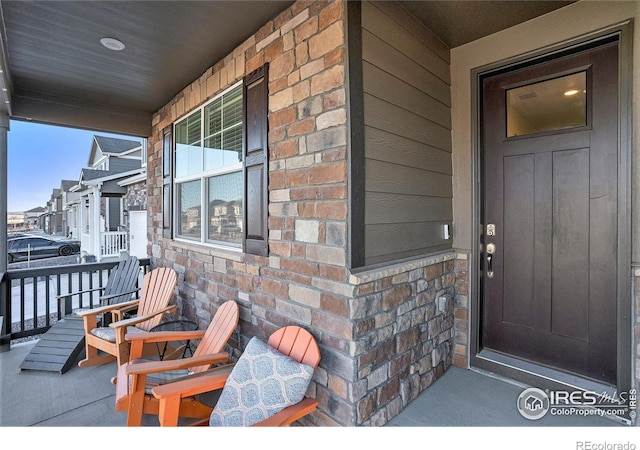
pixel 297 343
pixel 224 322
pixel 122 279
pixel 157 289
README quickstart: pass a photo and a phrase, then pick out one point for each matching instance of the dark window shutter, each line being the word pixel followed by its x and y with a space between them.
pixel 167 181
pixel 256 167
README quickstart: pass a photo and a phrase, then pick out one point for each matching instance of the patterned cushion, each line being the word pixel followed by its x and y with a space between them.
pixel 158 378
pixel 109 334
pixel 262 383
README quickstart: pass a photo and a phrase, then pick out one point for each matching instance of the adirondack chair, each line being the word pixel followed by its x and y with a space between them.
pixel 121 284
pixel 136 378
pixel 157 290
pixel 291 348
pixel 58 348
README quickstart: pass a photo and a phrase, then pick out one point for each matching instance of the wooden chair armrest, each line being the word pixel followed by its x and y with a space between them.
pixel 104 309
pixel 165 336
pixel 290 414
pixel 175 364
pixel 110 296
pixel 138 319
pixel 190 387
pixel 69 294
pixel 118 314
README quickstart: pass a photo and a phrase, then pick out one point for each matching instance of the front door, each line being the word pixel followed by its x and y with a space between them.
pixel 549 213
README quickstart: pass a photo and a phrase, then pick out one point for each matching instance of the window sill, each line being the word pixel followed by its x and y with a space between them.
pixel 221 251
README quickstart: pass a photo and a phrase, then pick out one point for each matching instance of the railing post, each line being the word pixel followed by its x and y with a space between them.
pixel 5 314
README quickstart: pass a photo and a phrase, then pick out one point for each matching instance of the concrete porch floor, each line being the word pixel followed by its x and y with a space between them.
pixel 85 398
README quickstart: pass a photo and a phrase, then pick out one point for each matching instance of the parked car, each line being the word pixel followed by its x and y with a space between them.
pixel 18 235
pixel 35 247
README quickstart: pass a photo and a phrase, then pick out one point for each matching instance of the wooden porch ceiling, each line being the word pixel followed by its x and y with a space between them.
pixel 54 69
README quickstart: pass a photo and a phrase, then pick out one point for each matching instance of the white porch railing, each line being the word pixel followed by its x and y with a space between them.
pixel 111 242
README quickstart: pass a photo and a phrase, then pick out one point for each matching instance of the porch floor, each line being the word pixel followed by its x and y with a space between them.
pixel 84 397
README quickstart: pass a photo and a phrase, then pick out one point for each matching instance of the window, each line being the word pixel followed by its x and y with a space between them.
pixel 208 171
pixel 556 104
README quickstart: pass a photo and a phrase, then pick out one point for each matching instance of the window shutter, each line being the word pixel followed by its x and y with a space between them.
pixel 167 181
pixel 256 167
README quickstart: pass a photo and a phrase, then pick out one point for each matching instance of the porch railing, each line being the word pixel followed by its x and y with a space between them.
pixel 112 242
pixel 28 297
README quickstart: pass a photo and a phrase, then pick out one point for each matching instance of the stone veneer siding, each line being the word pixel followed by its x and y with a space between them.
pixel 136 197
pixel 381 336
pixel 404 333
pixel 461 323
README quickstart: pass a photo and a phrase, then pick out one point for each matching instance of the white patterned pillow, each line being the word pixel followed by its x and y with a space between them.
pixel 262 383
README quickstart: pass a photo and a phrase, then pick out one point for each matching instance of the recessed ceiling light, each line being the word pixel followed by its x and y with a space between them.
pixel 112 44
pixel 571 92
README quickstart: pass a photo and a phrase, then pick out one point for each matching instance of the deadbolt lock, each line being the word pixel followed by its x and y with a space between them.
pixel 491 229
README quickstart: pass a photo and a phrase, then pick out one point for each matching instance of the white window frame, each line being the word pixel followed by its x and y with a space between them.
pixel 203 176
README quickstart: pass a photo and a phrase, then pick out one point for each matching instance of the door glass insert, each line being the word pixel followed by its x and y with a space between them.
pixel 549 105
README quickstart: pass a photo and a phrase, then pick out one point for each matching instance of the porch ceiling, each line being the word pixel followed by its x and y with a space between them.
pixel 55 70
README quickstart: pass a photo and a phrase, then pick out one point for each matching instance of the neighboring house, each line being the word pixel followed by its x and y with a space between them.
pixel 404 195
pixel 135 209
pixel 98 210
pixel 31 217
pixel 52 221
pixel 15 221
pixel 68 198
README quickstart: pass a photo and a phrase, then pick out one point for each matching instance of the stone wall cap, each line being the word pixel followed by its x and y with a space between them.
pixel 395 268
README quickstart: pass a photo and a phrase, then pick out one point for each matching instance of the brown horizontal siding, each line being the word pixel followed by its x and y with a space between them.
pixel 394 119
pixel 382 55
pixel 377 22
pixel 386 177
pixel 398 208
pixel 406 152
pixel 407 124
pixel 400 239
pixel 412 99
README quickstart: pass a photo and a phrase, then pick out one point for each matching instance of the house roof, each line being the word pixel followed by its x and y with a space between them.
pixel 35 210
pixel 114 145
pixel 103 145
pixel 93 174
pixel 65 185
pixel 55 70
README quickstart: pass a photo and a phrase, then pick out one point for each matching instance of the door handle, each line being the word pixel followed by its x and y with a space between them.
pixel 491 249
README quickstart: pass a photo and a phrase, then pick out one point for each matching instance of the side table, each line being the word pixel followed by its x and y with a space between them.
pixel 175 325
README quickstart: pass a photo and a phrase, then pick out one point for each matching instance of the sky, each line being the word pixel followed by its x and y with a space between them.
pixel 40 157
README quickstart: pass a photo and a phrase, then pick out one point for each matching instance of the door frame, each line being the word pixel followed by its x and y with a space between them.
pixel 527 373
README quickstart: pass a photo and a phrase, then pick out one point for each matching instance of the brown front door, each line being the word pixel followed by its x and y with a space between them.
pixel 549 213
